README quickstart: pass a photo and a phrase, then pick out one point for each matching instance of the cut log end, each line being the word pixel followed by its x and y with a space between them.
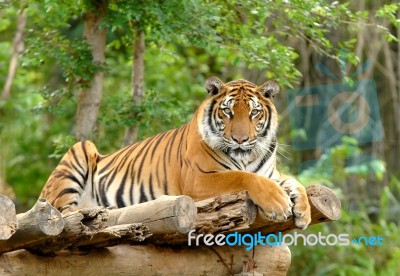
pixel 323 200
pixel 50 219
pixel 185 212
pixel 8 218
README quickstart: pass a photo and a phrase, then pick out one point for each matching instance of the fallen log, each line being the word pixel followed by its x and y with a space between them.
pixel 88 231
pixel 8 218
pixel 149 260
pixel 40 222
pixel 100 226
pixel 236 212
pixel 89 227
pixel 166 214
pixel 167 219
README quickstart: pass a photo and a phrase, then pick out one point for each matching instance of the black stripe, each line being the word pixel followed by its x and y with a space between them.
pixel 203 171
pixel 143 197
pixel 83 143
pixel 131 189
pixel 165 186
pixel 181 138
pixel 112 161
pixel 171 144
pixel 74 179
pixel 146 148
pixel 283 182
pixel 271 150
pixel 151 188
pixel 67 191
pixel 120 191
pixel 237 165
pixel 164 162
pixel 262 162
pixel 81 174
pixel 118 168
pixel 102 191
pixel 158 174
pixel 75 157
pixel 212 156
pixel 210 117
pixel 264 133
pixel 96 195
pixel 160 137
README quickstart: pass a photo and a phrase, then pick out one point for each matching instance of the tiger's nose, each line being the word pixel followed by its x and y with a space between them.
pixel 240 139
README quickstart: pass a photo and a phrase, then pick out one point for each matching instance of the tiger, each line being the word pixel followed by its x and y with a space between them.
pixel 229 145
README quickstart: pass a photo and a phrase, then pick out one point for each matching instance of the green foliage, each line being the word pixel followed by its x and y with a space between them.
pixel 389 12
pixel 368 218
pixel 336 165
pixel 355 259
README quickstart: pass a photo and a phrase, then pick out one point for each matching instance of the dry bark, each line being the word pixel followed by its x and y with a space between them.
pixel 40 222
pixel 167 219
pixel 8 218
pixel 148 260
pixel 39 229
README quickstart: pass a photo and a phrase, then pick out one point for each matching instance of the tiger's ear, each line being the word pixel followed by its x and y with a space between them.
pixel 269 89
pixel 214 85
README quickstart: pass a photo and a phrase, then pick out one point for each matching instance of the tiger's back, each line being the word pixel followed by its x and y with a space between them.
pixel 134 174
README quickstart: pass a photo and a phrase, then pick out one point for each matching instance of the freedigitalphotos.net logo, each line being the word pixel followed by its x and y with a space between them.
pixel 280 239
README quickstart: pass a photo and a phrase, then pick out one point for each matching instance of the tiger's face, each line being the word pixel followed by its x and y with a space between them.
pixel 239 118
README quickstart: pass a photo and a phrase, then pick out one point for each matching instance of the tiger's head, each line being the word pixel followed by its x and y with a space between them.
pixel 239 118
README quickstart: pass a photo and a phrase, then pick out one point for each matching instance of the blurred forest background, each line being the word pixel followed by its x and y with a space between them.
pixel 118 71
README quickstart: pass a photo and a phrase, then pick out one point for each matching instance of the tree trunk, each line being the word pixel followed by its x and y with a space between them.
pixel 137 91
pixel 18 48
pixel 90 98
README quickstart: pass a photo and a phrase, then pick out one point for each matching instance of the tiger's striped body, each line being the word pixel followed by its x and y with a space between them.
pixel 229 145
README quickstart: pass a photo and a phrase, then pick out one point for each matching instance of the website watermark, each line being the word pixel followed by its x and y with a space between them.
pixel 280 239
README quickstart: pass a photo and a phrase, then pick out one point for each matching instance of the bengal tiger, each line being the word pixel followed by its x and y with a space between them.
pixel 230 144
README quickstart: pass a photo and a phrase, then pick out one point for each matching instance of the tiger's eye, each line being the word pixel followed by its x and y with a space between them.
pixel 255 112
pixel 227 111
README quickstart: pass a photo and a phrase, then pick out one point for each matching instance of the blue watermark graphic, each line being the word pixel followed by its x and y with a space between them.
pixel 280 239
pixel 322 115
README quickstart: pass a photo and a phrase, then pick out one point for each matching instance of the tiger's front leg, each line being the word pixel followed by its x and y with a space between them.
pixel 301 208
pixel 271 199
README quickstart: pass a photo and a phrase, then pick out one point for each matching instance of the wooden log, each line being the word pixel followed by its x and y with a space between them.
pixel 148 260
pixel 89 227
pixel 166 214
pixel 236 212
pixel 41 221
pixel 233 212
pixel 229 212
pixel 8 218
pixel 114 235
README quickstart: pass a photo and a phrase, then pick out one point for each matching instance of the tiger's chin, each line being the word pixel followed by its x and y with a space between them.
pixel 238 152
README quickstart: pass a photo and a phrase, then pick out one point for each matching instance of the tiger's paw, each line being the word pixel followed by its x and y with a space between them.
pixel 301 208
pixel 273 203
